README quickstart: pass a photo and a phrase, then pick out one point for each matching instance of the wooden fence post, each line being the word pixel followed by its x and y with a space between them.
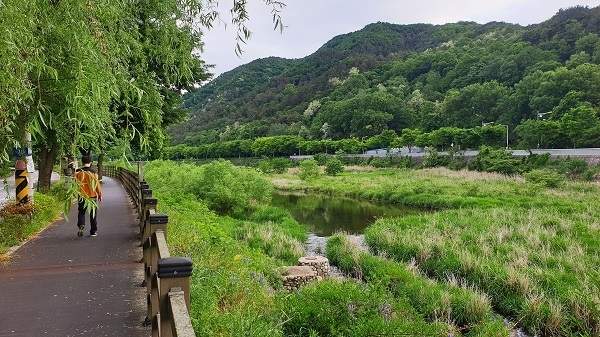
pixel 174 274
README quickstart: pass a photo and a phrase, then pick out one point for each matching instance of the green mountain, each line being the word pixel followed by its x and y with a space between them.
pixel 420 76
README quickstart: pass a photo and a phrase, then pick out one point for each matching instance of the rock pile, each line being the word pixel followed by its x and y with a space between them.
pixel 297 276
pixel 310 268
pixel 319 264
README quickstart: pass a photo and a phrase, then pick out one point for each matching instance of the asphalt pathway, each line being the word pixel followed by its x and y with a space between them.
pixel 58 284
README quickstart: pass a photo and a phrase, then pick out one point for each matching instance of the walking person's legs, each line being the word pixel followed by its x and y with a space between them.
pixel 80 216
pixel 93 221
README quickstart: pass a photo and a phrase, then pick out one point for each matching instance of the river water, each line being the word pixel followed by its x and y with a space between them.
pixel 325 215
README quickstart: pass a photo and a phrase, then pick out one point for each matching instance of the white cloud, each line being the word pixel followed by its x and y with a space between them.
pixel 311 23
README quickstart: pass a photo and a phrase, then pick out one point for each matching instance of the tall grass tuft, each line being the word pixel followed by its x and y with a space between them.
pixel 454 302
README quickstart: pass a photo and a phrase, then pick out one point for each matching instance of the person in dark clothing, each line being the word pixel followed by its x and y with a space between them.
pixel 90 194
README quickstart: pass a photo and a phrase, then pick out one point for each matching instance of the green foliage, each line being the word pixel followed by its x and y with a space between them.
pixel 276 146
pixel 265 165
pixel 321 158
pixel 346 308
pixel 460 305
pixel 277 165
pixel 20 222
pixel 274 231
pixel 5 170
pixel 490 160
pixel 380 162
pixel 309 169
pixel 280 165
pixel 544 177
pixel 571 167
pixel 434 159
pixel 452 76
pixel 590 173
pixel 12 229
pixel 432 274
pixel 334 167
pixel 235 287
pixel 536 161
pixel 406 162
pixel 226 189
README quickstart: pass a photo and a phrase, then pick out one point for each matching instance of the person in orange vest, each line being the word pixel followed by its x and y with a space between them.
pixel 90 194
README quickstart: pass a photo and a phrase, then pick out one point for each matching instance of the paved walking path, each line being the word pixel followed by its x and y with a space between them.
pixel 58 284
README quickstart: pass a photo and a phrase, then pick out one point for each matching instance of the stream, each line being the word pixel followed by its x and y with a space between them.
pixel 325 215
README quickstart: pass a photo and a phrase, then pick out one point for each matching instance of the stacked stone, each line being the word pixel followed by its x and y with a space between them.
pixel 297 276
pixel 319 264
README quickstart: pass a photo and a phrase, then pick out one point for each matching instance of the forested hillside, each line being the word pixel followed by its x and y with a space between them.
pixel 541 80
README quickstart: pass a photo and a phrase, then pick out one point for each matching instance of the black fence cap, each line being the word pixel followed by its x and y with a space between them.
pixel 144 186
pixel 174 267
pixel 146 191
pixel 158 218
pixel 150 201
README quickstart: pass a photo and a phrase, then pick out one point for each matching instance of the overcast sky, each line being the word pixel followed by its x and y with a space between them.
pixel 311 23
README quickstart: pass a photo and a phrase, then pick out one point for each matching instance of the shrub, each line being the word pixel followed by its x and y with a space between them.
pixel 309 169
pixel 435 159
pixel 280 165
pixel 334 167
pixel 379 162
pixel 321 158
pixel 569 166
pixel 405 162
pixel 544 177
pixel 457 162
pixel 265 166
pixel 12 228
pixel 15 208
pixel 225 189
pixel 589 174
pixel 536 161
pixel 347 308
pixel 352 160
pixel 500 161
pixel 17 222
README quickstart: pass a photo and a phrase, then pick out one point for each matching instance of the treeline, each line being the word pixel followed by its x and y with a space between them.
pixel 532 134
pixel 389 77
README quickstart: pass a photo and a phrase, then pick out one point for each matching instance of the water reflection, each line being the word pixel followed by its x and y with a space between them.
pixel 325 215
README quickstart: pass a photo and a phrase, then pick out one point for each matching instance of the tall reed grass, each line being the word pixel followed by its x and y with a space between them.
pixel 453 302
pixel 531 249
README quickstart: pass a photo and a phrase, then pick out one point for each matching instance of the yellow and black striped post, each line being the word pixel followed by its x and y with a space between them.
pixel 21 183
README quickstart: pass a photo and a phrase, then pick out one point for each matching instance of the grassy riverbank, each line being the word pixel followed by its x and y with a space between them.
pixel 238 257
pixel 533 251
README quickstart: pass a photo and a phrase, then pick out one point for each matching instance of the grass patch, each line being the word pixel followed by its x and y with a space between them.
pixel 18 223
pixel 530 245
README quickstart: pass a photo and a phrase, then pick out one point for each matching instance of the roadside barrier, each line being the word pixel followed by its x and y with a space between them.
pixel 21 182
pixel 167 279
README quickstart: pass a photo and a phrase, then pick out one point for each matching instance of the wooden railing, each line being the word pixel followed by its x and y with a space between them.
pixel 167 279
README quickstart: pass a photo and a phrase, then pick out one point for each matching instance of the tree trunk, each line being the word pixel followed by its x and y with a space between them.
pixel 99 165
pixel 45 167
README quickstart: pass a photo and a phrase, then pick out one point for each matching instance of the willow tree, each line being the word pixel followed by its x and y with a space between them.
pixel 99 73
